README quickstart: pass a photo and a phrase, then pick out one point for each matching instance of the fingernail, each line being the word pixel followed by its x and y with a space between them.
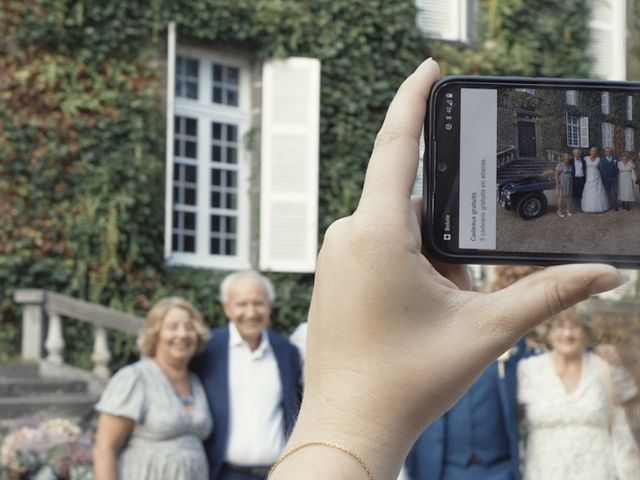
pixel 607 282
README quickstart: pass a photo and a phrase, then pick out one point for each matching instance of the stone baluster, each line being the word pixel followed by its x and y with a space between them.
pixel 55 341
pixel 101 355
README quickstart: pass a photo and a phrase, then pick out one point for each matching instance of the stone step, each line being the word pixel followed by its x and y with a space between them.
pixel 66 405
pixel 25 387
pixel 19 370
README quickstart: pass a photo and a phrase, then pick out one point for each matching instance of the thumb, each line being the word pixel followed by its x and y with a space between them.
pixel 540 295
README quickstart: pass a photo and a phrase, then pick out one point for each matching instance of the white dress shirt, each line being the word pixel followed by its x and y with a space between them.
pixel 256 417
pixel 578 167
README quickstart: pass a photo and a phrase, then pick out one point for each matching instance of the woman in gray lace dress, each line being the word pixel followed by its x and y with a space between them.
pixel 154 413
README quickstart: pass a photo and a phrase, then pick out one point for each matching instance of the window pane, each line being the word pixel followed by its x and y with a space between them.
pixel 215 199
pixel 230 247
pixel 216 153
pixel 190 173
pixel 191 90
pixel 216 96
pixel 215 224
pixel 231 224
pixel 174 221
pixel 174 243
pixel 215 246
pixel 190 150
pixel 231 201
pixel 232 133
pixel 232 98
pixel 189 221
pixel 176 195
pixel 232 76
pixel 190 196
pixel 231 155
pixel 217 72
pixel 189 243
pixel 232 179
pixel 191 126
pixel 215 177
pixel 177 169
pixel 216 131
pixel 192 67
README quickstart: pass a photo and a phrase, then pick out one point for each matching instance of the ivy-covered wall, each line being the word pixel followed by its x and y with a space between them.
pixel 82 134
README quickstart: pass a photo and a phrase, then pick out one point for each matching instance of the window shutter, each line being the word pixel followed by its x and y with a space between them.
pixel 608 38
pixel 289 165
pixel 168 200
pixel 446 19
pixel 584 132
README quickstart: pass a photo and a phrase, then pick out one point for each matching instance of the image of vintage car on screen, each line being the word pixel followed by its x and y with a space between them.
pixel 538 127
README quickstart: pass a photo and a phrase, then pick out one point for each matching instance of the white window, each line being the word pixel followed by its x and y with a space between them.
pixel 605 103
pixel 607 135
pixel 573 131
pixel 629 139
pixel 572 97
pixel 208 200
pixel 577 131
pixel 212 190
pixel 446 20
pixel 629 107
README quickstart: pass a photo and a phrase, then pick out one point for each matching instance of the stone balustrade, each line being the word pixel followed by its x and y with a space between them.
pixel 43 328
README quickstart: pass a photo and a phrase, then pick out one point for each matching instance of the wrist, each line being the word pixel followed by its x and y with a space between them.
pixel 377 440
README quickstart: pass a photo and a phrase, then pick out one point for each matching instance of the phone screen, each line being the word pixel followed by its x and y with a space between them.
pixel 534 170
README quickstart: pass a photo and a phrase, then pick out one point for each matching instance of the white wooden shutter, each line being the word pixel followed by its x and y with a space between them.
pixel 584 132
pixel 444 19
pixel 289 165
pixel 608 32
pixel 168 190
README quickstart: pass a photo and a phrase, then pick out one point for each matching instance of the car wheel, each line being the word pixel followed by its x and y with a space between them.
pixel 532 206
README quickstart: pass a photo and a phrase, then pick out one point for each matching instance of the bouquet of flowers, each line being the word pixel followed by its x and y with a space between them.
pixel 52 450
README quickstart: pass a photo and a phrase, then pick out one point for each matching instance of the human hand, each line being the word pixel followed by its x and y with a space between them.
pixel 393 341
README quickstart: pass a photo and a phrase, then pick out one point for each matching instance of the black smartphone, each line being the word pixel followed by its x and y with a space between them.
pixel 532 170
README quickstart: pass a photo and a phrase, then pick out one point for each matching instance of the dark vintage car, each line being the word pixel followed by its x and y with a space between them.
pixel 529 196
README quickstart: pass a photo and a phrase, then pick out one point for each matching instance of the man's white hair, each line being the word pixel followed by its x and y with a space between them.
pixel 232 277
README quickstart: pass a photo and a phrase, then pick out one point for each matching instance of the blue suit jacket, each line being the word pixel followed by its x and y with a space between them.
pixel 212 366
pixel 426 459
pixel 609 170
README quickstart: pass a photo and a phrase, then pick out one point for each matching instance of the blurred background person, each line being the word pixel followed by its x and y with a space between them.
pixel 564 184
pixel 252 379
pixel 576 428
pixel 478 437
pixel 609 172
pixel 626 181
pixel 154 413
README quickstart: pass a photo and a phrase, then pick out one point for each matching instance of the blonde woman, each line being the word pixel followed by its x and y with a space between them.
pixel 564 184
pixel 154 413
pixel 577 429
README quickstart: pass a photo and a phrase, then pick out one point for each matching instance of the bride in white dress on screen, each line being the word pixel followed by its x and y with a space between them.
pixel 594 196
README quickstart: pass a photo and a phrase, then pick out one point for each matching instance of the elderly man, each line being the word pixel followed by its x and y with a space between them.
pixel 252 379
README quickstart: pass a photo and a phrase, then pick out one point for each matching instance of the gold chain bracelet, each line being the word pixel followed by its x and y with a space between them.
pixel 322 444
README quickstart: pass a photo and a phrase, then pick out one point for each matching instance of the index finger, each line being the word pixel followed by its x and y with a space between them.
pixel 394 161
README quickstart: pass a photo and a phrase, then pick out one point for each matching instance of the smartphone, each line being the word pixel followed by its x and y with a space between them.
pixel 499 188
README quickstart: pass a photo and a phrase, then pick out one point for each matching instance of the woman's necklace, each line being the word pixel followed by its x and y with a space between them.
pixel 186 400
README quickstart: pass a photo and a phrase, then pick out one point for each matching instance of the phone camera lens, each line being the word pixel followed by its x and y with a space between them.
pixel 442 167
